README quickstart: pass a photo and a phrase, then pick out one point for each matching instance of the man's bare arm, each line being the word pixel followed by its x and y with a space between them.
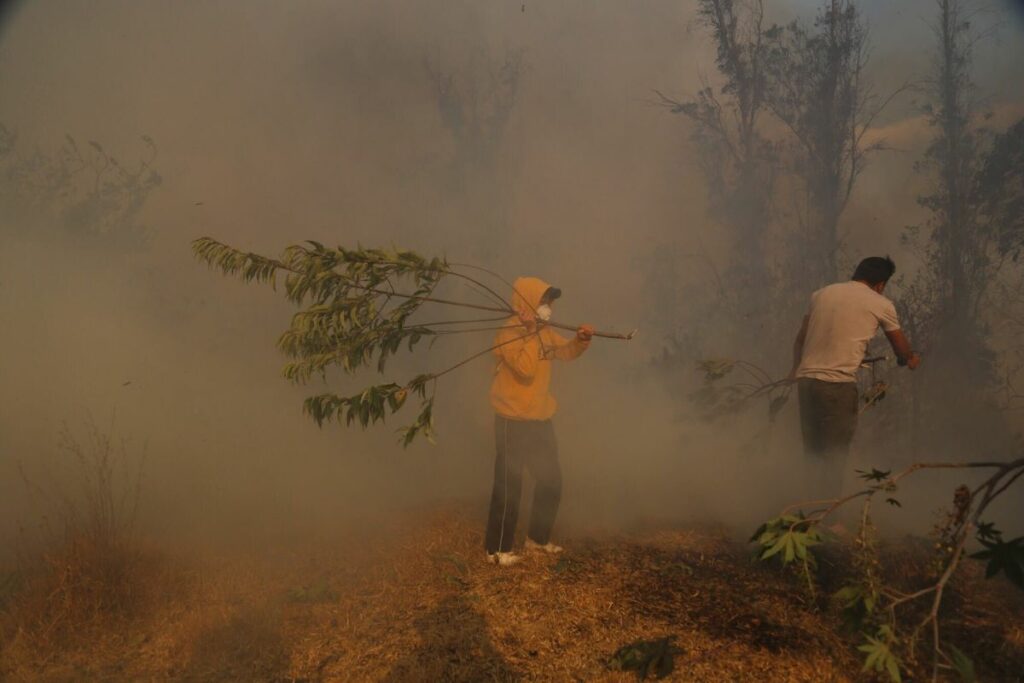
pixel 798 347
pixel 901 346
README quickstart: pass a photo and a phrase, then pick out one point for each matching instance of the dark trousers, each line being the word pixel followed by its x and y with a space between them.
pixel 519 443
pixel 828 420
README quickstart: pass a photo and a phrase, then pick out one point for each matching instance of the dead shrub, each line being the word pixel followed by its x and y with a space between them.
pixel 83 566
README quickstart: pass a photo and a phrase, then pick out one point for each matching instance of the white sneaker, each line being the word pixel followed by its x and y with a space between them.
pixel 503 559
pixel 548 547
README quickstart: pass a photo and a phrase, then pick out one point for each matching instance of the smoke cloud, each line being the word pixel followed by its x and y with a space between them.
pixel 281 122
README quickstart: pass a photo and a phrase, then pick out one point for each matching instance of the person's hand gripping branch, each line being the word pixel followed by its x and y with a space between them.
pixel 529 320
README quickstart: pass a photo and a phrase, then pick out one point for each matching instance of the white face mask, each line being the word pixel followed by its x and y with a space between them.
pixel 544 312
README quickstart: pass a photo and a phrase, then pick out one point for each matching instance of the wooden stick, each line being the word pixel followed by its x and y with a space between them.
pixel 603 335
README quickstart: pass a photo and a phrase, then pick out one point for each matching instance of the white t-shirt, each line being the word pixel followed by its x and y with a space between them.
pixel 842 320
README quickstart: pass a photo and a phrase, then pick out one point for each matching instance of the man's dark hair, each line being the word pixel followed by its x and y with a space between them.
pixel 874 270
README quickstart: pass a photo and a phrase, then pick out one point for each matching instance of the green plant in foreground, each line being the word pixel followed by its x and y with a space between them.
pixel 790 539
pixel 878 654
pixel 891 644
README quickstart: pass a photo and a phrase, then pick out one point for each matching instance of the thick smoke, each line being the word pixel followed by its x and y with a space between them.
pixel 281 122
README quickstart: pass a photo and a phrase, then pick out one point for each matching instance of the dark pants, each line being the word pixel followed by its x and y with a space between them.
pixel 531 443
pixel 828 419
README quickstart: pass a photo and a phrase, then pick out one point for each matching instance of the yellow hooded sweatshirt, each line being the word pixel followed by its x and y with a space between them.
pixel 523 377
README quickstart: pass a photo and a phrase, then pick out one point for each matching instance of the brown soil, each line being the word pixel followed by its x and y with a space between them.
pixel 417 602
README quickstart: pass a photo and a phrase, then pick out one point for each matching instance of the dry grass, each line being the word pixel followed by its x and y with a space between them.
pixel 75 597
pixel 84 572
pixel 439 612
pixel 417 602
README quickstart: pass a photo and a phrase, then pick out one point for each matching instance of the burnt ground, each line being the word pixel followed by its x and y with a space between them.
pixel 417 602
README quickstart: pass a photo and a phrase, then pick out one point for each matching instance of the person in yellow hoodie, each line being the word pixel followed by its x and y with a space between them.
pixel 524 406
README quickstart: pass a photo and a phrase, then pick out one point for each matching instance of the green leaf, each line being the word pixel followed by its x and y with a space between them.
pixel 848 595
pixel 963 665
pixel 874 474
pixel 775 549
pixel 987 531
pixel 783 536
pixel 790 553
pixel 1004 556
pixel 893 668
pixel 880 658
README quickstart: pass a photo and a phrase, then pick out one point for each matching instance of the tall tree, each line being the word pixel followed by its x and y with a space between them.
pixel 958 253
pixel 970 275
pixel 998 195
pixel 817 89
pixel 738 161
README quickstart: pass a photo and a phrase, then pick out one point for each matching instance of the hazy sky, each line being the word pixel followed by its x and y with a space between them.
pixel 317 115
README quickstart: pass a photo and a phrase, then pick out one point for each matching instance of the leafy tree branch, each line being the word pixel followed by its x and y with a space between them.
pixel 356 311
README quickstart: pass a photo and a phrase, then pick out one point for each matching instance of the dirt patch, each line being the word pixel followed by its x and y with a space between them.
pixel 248 645
pixel 417 601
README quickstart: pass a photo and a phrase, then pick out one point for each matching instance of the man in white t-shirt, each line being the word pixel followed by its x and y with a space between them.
pixel 830 347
